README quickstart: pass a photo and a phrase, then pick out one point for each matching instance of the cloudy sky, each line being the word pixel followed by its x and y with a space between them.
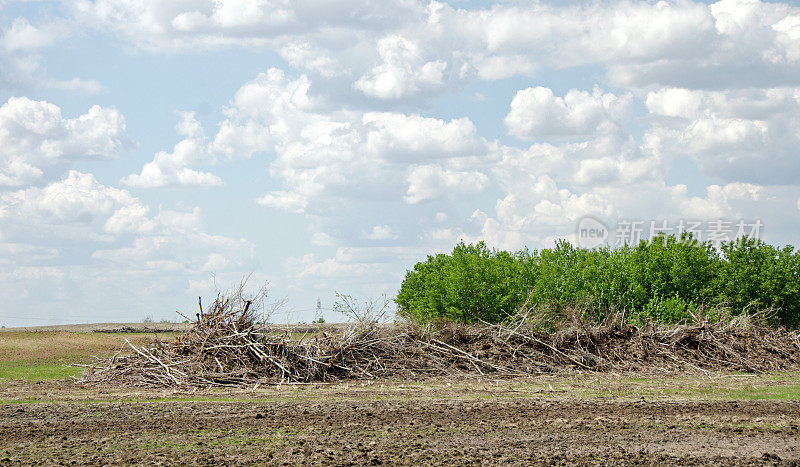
pixel 150 150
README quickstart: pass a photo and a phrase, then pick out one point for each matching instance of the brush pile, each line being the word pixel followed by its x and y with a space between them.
pixel 225 347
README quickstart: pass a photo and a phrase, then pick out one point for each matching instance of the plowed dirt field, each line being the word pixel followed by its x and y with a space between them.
pixel 722 420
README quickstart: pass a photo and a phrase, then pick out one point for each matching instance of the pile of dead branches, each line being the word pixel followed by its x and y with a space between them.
pixel 615 346
pixel 226 347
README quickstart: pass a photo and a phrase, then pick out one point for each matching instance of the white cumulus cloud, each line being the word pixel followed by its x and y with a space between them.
pixel 748 135
pixel 427 182
pixel 404 71
pixel 538 113
pixel 173 169
pixel 36 141
pixel 381 232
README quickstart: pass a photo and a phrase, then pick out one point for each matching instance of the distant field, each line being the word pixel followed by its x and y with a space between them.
pixel 156 327
pixel 45 352
pixel 102 327
pixel 46 355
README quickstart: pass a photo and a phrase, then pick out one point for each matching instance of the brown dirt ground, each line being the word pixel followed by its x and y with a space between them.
pixel 559 420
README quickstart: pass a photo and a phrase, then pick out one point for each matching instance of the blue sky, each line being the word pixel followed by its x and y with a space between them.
pixel 152 151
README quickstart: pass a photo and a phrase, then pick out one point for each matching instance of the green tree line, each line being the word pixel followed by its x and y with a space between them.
pixel 666 280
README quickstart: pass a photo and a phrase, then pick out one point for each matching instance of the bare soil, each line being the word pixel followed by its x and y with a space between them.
pixel 533 422
pixel 704 416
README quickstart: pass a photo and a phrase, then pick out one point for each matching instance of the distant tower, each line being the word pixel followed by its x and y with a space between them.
pixel 318 313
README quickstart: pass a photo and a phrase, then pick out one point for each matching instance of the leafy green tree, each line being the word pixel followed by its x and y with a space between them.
pixel 755 275
pixel 472 283
pixel 665 280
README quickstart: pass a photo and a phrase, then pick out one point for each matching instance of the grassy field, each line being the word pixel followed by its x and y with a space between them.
pixel 39 356
pixel 579 417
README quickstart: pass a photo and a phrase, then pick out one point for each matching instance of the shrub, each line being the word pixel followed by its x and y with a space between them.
pixel 669 267
pixel 472 283
pixel 666 280
pixel 755 275
pixel 673 310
